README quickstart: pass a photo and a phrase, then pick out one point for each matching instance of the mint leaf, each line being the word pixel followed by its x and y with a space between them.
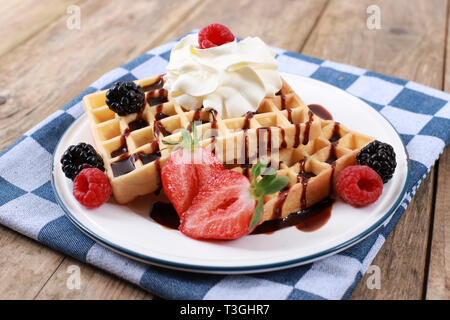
pixel 170 143
pixel 269 171
pixel 256 214
pixel 258 169
pixel 269 184
pixel 187 139
pixel 272 184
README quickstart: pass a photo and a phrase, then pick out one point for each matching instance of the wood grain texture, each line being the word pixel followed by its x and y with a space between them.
pixel 402 259
pixel 94 285
pixel 285 24
pixel 47 71
pixel 414 53
pixel 22 19
pixel 25 265
pixel 438 285
pixel 409 45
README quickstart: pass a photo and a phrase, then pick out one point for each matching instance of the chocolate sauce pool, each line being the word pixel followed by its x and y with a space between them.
pixel 306 220
pixel 320 111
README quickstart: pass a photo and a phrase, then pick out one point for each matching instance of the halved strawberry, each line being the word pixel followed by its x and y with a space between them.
pixel 179 181
pixel 222 209
pixel 228 206
pixel 186 171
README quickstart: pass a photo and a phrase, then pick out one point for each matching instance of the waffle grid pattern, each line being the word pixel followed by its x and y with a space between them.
pixel 283 132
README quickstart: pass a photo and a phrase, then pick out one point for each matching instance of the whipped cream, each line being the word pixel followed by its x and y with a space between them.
pixel 232 78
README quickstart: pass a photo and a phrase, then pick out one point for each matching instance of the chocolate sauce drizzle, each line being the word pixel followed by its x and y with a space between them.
pixel 196 119
pixel 158 128
pixel 159 114
pixel 213 126
pixel 156 85
pixel 246 165
pixel 278 206
pixel 283 137
pixel 125 164
pixel 307 128
pixel 320 111
pixel 165 214
pixel 283 101
pixel 123 145
pixel 306 220
pixel 269 137
pixel 332 156
pixel 336 135
pixel 297 135
pixel 289 112
pixel 303 177
pixel 156 94
pixel 139 122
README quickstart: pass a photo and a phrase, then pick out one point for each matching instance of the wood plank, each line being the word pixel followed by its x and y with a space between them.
pixel 402 259
pixel 43 74
pixel 25 265
pixel 285 24
pixel 22 19
pixel 409 45
pixel 94 284
pixel 438 285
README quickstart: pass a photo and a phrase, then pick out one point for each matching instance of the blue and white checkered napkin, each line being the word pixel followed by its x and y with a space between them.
pixel 27 203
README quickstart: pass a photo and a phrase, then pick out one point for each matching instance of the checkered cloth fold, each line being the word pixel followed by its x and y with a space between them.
pixel 27 204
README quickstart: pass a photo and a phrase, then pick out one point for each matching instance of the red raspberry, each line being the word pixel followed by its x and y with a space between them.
pixel 214 35
pixel 91 187
pixel 359 186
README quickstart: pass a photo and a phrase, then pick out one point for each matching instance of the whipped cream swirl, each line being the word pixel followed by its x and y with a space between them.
pixel 232 78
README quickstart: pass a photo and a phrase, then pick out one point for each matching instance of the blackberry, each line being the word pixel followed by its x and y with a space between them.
pixel 380 157
pixel 78 157
pixel 125 97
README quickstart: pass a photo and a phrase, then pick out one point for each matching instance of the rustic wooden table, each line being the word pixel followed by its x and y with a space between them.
pixel 44 64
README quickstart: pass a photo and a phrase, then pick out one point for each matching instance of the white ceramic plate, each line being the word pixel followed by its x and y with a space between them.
pixel 129 229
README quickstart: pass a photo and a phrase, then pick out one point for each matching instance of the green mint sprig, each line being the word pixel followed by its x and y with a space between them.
pixel 187 141
pixel 269 184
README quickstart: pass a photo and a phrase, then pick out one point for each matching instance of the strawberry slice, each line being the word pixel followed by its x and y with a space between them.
pixel 207 168
pixel 222 209
pixel 228 206
pixel 186 171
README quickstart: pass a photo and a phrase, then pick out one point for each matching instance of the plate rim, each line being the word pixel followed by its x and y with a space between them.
pixel 198 268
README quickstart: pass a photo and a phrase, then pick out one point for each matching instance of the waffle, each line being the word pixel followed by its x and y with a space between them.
pixel 283 132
